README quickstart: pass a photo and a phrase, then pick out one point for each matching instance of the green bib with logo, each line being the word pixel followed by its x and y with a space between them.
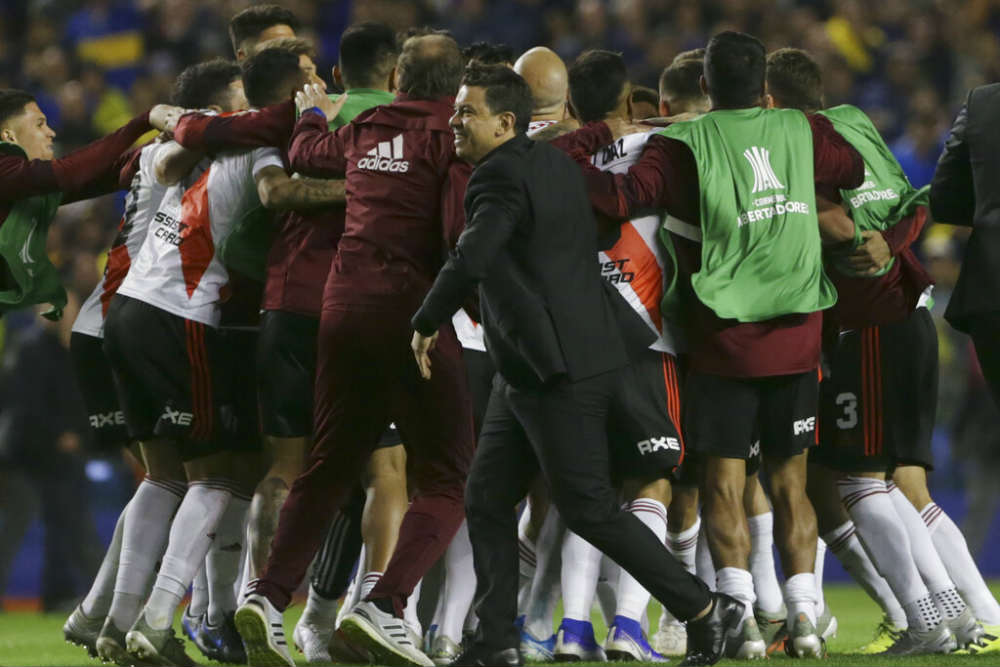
pixel 761 255
pixel 27 277
pixel 886 196
pixel 247 246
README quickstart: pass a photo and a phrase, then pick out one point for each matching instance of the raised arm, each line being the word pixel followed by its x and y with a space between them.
pixel 270 126
pixel 315 150
pixel 953 197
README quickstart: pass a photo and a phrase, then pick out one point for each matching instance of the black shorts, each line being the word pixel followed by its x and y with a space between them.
pixel 481 370
pixel 170 376
pixel 644 426
pixel 723 416
pixel 286 376
pixel 97 386
pixel 286 363
pixel 880 397
pixel 241 414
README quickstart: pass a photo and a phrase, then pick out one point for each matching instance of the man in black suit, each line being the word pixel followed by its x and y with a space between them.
pixel 965 195
pixel 559 335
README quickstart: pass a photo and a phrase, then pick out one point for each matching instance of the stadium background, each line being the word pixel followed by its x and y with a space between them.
pixel 94 64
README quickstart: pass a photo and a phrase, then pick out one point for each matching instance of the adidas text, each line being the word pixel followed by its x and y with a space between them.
pixel 387 157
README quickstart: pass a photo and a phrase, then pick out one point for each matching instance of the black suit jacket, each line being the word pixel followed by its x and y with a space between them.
pixel 966 191
pixel 531 244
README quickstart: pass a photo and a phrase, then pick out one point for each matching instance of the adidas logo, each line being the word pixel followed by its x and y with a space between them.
pixel 388 156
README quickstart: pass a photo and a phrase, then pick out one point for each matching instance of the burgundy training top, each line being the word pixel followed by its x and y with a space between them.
pixel 666 177
pixel 399 161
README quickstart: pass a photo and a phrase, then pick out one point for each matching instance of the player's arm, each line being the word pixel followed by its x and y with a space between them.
pixel 173 162
pixel 953 197
pixel 269 126
pixel 835 226
pixel 315 150
pixel 279 192
pixel 97 164
pixel 836 163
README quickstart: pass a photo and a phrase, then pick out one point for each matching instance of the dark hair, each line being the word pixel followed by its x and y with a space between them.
pixel 681 81
pixel 486 53
pixel 596 81
pixel 735 63
pixel 12 103
pixel 204 84
pixel 269 75
pixel 297 45
pixel 693 54
pixel 429 67
pixel 256 19
pixel 505 91
pixel 795 80
pixel 368 52
pixel 641 94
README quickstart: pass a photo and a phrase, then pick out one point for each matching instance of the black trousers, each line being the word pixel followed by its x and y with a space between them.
pixel 985 332
pixel 561 429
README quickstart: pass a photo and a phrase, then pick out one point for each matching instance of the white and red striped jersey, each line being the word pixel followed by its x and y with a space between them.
pixel 536 125
pixel 141 202
pixel 177 268
pixel 469 333
pixel 635 263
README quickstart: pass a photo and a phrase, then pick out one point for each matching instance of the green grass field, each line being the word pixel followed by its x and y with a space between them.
pixel 36 639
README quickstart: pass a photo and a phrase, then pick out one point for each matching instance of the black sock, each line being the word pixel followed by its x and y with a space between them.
pixel 384 605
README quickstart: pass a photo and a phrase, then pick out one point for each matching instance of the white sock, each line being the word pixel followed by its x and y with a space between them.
pixel 459 586
pixel 738 583
pixel 527 558
pixel 800 597
pixel 581 567
pixel 951 546
pixel 319 611
pixel 632 597
pixel 199 594
pixel 929 563
pixel 684 547
pixel 410 611
pixel 368 583
pixel 102 591
pixel 765 579
pixel 222 565
pixel 844 543
pixel 144 539
pixel 191 536
pixel 606 591
pixel 241 583
pixel 887 542
pixel 818 571
pixel 544 593
pixel 704 566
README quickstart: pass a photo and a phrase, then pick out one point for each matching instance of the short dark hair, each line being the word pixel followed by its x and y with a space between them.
pixel 297 45
pixel 735 64
pixel 486 53
pixel 429 72
pixel 256 19
pixel 204 84
pixel 641 94
pixel 795 80
pixel 505 91
pixel 596 81
pixel 268 74
pixel 12 103
pixel 368 52
pixel 692 54
pixel 682 80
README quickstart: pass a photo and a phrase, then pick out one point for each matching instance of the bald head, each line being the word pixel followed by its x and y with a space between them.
pixel 430 67
pixel 546 75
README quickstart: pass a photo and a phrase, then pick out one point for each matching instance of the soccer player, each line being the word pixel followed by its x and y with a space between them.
pixel 397 158
pixel 545 73
pixel 260 23
pixel 486 53
pixel 680 88
pixel 162 342
pixel 887 349
pixel 754 302
pixel 648 447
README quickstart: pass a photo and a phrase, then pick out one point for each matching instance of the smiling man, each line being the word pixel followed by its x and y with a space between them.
pixel 559 354
pixel 33 186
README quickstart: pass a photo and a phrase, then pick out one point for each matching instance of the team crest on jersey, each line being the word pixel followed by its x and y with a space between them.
pixel 764 177
pixel 387 157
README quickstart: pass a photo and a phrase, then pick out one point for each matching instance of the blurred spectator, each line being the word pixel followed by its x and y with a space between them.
pixel 919 147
